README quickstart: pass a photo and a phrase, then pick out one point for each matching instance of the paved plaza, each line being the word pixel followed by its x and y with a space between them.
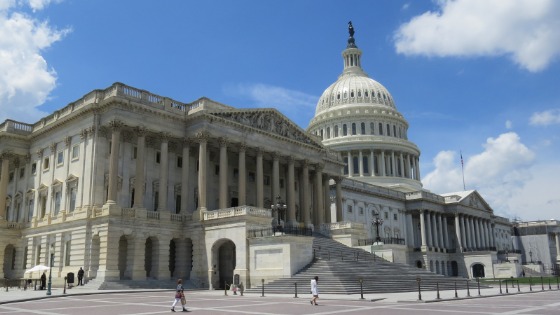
pixel 83 301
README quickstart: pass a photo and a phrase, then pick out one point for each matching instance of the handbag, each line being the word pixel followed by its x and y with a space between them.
pixel 178 295
pixel 183 299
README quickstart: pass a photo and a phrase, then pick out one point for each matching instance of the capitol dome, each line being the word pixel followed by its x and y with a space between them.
pixel 357 117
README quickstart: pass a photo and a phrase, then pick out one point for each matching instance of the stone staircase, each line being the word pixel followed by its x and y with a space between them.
pixel 340 269
pixel 131 284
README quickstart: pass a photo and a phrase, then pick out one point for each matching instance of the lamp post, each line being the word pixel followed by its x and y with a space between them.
pixel 49 284
pixel 280 208
pixel 531 255
pixel 377 221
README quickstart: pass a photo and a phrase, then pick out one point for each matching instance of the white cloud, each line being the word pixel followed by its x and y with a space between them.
pixel 525 30
pixel 25 79
pixel 545 118
pixel 499 172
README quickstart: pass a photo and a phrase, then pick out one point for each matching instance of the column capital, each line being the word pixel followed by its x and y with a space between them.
pixel 275 156
pixel 52 147
pixel 319 167
pixel 6 155
pixel 338 179
pixel 202 136
pixel 223 141
pixel 242 147
pixel 140 131
pixel 116 124
pixel 39 153
pixel 164 136
pixel 68 141
pixel 84 134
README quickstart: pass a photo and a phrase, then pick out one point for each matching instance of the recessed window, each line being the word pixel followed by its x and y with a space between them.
pixel 158 157
pixel 353 128
pixel 251 176
pixel 336 131
pixel 266 180
pixel 344 130
pixel 361 211
pixel 134 153
pixel 75 152
pixel 349 209
pixel 363 128
pixel 235 173
pixel 217 170
pixel 59 158
pixel 179 161
pixel 386 215
pixel 281 183
pixel 395 217
pixel 46 163
pixel 34 168
pixel 11 176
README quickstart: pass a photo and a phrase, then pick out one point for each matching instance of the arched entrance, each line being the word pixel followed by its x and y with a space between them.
pixel 224 255
pixel 419 264
pixel 123 250
pixel 151 257
pixel 478 270
pixel 9 261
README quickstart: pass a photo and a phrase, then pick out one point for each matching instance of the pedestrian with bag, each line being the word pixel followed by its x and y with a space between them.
pixel 179 296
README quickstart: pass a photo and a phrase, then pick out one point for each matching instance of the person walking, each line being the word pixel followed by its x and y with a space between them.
pixel 179 296
pixel 44 280
pixel 81 276
pixel 314 291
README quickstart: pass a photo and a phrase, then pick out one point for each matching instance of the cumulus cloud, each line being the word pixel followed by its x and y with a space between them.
pixel 526 30
pixel 25 79
pixel 548 117
pixel 499 172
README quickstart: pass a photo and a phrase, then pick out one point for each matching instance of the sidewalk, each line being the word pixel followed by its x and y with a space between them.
pixel 18 295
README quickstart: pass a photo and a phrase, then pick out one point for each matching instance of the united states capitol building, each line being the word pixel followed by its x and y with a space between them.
pixel 131 185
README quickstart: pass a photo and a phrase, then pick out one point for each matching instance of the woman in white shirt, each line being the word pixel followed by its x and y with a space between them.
pixel 314 291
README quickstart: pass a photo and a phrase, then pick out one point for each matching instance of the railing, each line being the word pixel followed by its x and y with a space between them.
pixel 237 211
pixel 351 255
pixel 176 217
pixel 152 215
pixel 387 240
pixel 276 230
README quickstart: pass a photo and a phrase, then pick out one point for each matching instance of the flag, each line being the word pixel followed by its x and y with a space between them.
pixel 461 153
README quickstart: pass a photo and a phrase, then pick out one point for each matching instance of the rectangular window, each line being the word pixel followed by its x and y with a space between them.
pixel 30 206
pixel 11 177
pixel 235 173
pixel 158 157
pixel 177 204
pixel 179 161
pixel 75 152
pixel 251 176
pixel 21 172
pixel 266 179
pixel 217 170
pixel 72 199
pixel 361 211
pixel 349 209
pixel 34 168
pixel 386 215
pixel 59 158
pixel 281 183
pixel 156 201
pixel 46 164
pixel 134 152
pixel 395 216
pixel 57 202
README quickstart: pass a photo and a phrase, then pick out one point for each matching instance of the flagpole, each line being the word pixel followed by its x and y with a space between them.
pixel 462 170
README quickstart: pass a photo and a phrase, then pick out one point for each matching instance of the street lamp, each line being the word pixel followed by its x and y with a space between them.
pixel 531 255
pixel 49 284
pixel 377 221
pixel 280 207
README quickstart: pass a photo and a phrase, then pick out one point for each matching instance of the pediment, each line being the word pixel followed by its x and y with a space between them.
pixel 269 121
pixel 474 200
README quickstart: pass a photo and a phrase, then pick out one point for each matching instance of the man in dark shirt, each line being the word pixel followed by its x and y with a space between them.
pixel 81 276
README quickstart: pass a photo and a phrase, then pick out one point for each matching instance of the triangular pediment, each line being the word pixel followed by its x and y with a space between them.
pixel 271 121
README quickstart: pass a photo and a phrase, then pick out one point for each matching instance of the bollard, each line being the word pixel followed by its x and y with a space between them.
pixel 456 296
pixel 64 292
pixel 225 288
pixel 419 290
pixel 549 287
pixel 542 284
pixel 437 289
pixel 478 285
pixel 500 282
pixel 262 281
pixel 468 291
pixel 518 288
pixel 361 289
pixel 295 285
pixel 531 284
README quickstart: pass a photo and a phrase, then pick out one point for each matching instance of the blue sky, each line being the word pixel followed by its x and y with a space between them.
pixel 479 77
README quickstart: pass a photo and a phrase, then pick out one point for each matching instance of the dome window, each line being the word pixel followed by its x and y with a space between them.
pixel 372 128
pixel 394 130
pixel 328 132
pixel 322 134
pixel 363 127
pixel 345 94
pixel 366 94
pixel 388 130
pixel 359 93
pixel 353 128
pixel 338 96
pixel 352 94
pixel 336 131
pixel 344 130
pixel 380 128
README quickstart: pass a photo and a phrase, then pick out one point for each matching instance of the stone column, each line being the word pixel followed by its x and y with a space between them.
pixel 305 187
pixel 393 164
pixel 350 165
pixel 202 171
pixel 418 168
pixel 223 173
pixel 401 163
pixel 471 233
pixel 114 161
pixel 445 233
pixel 185 176
pixel 440 230
pixel 260 180
pixel 339 216
pixel 108 256
pixel 464 233
pixel 435 232
pixel 4 175
pixel 326 199
pixel 372 164
pixel 408 171
pixel 275 177
pixel 162 258
pixel 139 179
pixel 319 209
pixel 137 257
pixel 163 173
pixel 383 173
pixel 360 163
pixel 458 233
pixel 557 239
pixel 423 229
pixel 243 175
pixel 291 218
